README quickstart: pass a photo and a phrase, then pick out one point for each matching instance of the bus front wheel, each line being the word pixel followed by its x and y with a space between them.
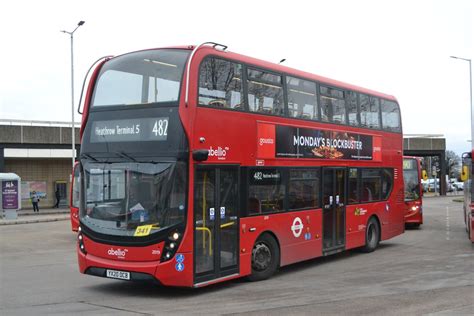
pixel 265 257
pixel 372 235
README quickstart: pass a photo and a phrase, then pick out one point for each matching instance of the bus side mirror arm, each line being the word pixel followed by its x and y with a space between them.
pixel 200 154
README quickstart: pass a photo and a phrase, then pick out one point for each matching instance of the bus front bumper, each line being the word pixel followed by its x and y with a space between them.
pixel 168 273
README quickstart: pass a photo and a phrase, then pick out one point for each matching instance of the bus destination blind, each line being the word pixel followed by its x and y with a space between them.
pixel 141 129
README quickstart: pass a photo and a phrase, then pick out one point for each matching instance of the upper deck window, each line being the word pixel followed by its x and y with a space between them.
pixel 390 116
pixel 369 111
pixel 352 110
pixel 332 105
pixel 265 92
pixel 220 84
pixel 151 76
pixel 302 100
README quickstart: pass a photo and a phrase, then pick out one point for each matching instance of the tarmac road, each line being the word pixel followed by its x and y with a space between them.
pixel 424 271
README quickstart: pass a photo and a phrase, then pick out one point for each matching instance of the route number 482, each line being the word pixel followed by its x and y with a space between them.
pixel 160 128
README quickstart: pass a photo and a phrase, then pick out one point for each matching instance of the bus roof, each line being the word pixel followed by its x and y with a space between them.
pixel 290 71
pixel 278 68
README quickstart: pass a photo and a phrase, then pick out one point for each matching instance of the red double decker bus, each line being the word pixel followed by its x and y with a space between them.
pixel 413 191
pixel 468 207
pixel 200 165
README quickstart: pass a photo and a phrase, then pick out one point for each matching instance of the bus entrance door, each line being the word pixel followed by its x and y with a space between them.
pixel 334 214
pixel 216 242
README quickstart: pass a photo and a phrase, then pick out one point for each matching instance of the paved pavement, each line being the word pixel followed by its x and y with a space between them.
pixel 44 215
pixel 424 271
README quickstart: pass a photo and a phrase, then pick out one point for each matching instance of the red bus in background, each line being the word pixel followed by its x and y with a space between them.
pixel 413 191
pixel 74 198
pixel 200 165
pixel 468 208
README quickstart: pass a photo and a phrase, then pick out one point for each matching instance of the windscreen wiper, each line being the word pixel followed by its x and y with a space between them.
pixel 124 155
pixel 89 156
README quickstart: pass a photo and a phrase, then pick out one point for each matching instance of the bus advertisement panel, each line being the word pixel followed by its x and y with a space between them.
pixel 214 165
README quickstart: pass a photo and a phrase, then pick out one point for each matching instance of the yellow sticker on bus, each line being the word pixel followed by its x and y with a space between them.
pixel 143 230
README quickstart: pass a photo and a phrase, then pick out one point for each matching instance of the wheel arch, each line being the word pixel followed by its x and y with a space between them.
pixel 378 222
pixel 274 236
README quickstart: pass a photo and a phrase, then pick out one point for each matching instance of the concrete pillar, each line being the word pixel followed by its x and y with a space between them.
pixel 442 173
pixel 2 159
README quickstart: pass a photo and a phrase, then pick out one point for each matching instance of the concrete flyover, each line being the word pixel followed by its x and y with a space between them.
pixel 428 145
pixel 40 152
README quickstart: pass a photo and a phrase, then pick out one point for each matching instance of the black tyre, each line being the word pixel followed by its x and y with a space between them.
pixel 372 235
pixel 265 258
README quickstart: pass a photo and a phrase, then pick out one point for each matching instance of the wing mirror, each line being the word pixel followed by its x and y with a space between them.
pixel 464 173
pixel 200 154
pixel 424 175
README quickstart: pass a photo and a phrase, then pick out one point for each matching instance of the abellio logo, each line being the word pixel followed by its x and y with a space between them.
pixel 220 152
pixel 119 253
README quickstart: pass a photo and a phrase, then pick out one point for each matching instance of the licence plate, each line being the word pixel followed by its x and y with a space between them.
pixel 114 274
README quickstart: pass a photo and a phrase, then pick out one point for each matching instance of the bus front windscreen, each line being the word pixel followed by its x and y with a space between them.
pixel 145 77
pixel 119 197
pixel 411 180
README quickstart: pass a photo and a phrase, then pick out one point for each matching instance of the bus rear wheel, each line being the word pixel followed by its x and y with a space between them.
pixel 372 235
pixel 265 257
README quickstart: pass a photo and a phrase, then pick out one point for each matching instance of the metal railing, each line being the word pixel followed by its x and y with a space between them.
pixel 14 122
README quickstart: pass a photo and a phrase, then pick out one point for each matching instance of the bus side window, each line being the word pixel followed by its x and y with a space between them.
pixel 352 111
pixel 333 107
pixel 267 191
pixel 353 186
pixel 369 112
pixel 302 100
pixel 390 116
pixel 374 118
pixel 304 189
pixel 254 206
pixel 387 182
pixel 371 185
pixel 220 84
pixel 265 93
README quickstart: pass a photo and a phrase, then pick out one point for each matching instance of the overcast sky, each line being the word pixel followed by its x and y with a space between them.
pixel 396 47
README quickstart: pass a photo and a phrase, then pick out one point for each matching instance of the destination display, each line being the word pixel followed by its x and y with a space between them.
pixel 409 164
pixel 130 130
pixel 294 142
pixel 265 176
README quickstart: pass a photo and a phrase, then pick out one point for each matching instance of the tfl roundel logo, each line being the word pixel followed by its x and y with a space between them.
pixel 297 227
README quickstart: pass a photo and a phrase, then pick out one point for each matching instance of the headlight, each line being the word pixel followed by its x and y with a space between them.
pixel 171 245
pixel 80 241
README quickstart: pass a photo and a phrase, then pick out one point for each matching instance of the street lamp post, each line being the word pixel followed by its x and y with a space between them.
pixel 470 95
pixel 73 130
